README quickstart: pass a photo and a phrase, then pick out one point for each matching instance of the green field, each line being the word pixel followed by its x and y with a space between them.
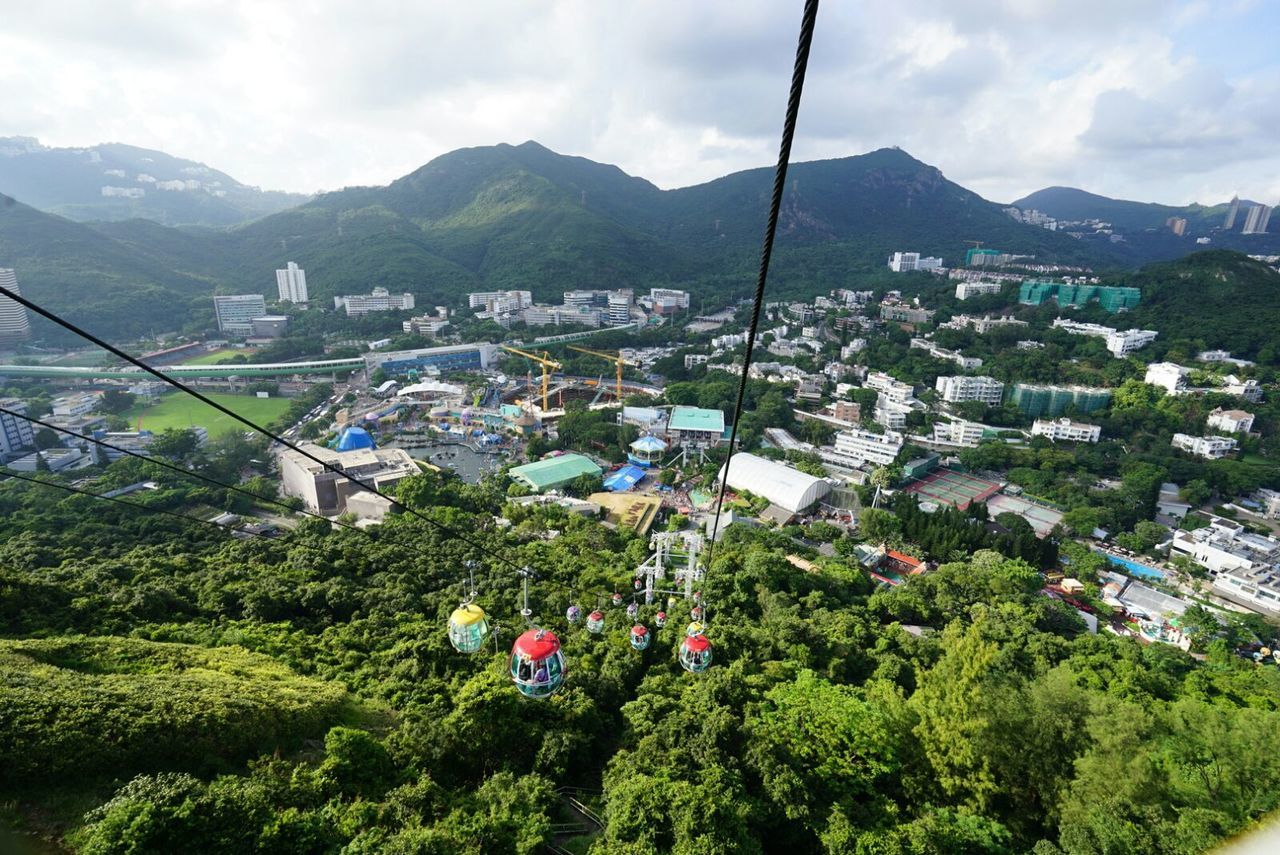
pixel 179 410
pixel 215 357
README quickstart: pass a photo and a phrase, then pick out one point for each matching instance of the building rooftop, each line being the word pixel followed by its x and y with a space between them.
pixel 554 471
pixel 697 418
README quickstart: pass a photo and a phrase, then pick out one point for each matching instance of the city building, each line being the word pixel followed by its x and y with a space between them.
pixel 957 432
pixel 1222 356
pixel 937 351
pixel 788 488
pixel 327 492
pixel 554 472
pixel 1168 376
pixel 54 459
pixel 668 301
pixel 291 283
pixel 982 325
pixel 902 393
pixel 1232 211
pixel 692 359
pixel 695 427
pixel 1247 389
pixel 1208 447
pixel 1067 430
pixel 235 312
pixel 1119 343
pixel 379 300
pixel 619 306
pixel 427 326
pixel 1256 221
pixel 1257 588
pixel 15 325
pixel 890 414
pixel 958 389
pixel 1177 225
pixel 1040 399
pixel 902 313
pixel 270 326
pixel 136 441
pixel 1231 421
pixel 75 404
pixel 967 289
pixel 16 435
pixel 500 302
pixel 902 262
pixel 856 447
pixel 1112 298
pixel 458 357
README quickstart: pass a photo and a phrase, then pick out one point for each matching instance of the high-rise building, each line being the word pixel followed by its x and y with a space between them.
pixel 292 284
pixel 620 308
pixel 1231 214
pixel 15 326
pixel 1255 223
pixel 16 435
pixel 960 388
pixel 902 262
pixel 235 312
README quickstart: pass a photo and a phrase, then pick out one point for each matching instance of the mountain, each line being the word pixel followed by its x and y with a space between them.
pixel 1215 299
pixel 119 182
pixel 525 216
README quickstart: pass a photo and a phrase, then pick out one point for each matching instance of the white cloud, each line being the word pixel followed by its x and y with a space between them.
pixel 1004 96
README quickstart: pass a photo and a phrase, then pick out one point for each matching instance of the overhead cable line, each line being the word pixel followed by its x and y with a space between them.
pixel 177 384
pixel 807 24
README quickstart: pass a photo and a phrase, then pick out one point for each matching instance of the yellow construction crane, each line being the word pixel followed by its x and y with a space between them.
pixel 615 358
pixel 548 365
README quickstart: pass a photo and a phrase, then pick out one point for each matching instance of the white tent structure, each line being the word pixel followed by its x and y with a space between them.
pixel 782 485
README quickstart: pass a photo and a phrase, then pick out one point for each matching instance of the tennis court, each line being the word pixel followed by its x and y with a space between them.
pixel 959 489
pixel 1041 518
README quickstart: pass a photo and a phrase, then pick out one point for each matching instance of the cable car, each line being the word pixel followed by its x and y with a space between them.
pixel 617 598
pixel 695 653
pixel 639 584
pixel 573 614
pixel 696 613
pixel 468 628
pixel 640 637
pixel 537 663
pixel 633 610
pixel 595 622
pixel 660 619
pixel 694 628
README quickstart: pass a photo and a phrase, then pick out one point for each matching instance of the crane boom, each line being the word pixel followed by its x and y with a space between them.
pixel 548 365
pixel 615 358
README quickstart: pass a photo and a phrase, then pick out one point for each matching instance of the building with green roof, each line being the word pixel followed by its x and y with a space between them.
pixel 554 472
pixel 696 427
pixel 1037 399
pixel 1112 298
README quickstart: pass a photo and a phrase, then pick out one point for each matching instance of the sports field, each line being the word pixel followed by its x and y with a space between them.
pixel 215 357
pixel 952 488
pixel 179 410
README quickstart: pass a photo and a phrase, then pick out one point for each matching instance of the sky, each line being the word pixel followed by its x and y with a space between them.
pixel 1172 101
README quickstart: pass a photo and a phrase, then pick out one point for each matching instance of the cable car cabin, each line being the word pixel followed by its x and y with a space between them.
pixel 468 628
pixel 661 619
pixel 694 628
pixel 617 598
pixel 640 637
pixel 595 621
pixel 639 585
pixel 633 610
pixel 695 654
pixel 573 614
pixel 696 612
pixel 537 664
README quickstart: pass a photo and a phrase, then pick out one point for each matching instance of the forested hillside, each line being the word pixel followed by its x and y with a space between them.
pixel 521 216
pixel 997 725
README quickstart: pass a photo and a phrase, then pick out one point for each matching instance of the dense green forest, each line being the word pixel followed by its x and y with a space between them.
pixel 164 687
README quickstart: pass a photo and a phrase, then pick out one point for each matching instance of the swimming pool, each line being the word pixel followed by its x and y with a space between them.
pixel 1135 569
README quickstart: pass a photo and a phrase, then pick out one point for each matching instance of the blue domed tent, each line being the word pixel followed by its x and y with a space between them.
pixel 647 451
pixel 354 439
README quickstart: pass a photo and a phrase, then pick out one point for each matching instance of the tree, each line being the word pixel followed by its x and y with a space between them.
pixel 878 525
pixel 1196 492
pixel 116 401
pixel 46 438
pixel 175 443
pixel 1081 521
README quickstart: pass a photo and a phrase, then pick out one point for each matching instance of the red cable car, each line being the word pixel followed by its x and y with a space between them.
pixel 537 663
pixel 695 653
pixel 640 637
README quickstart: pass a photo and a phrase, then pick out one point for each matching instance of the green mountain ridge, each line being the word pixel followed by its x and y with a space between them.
pixel 508 216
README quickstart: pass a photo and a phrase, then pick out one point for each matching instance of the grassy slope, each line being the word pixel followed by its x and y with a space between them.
pixel 181 411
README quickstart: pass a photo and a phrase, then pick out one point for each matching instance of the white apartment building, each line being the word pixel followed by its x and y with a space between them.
pixel 1169 376
pixel 619 308
pixel 500 301
pixel 902 262
pixel 692 359
pixel 75 404
pixel 379 300
pixel 428 326
pixel 672 297
pixel 1231 421
pixel 857 447
pixel 1247 389
pixel 939 352
pixel 957 432
pixel 1208 447
pixel 982 325
pixel 1067 430
pixel 895 391
pixel 1119 342
pixel 15 325
pixel 541 316
pixel 854 347
pixel 966 289
pixel 958 389
pixel 890 414
pixel 291 283
pixel 235 312
pixel 16 434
